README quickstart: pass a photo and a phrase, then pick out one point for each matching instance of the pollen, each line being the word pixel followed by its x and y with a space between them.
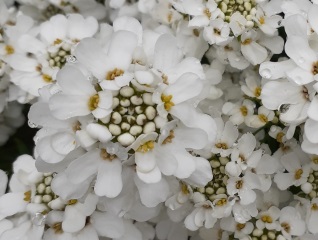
pixel 169 17
pixel 217 31
pixel 196 32
pixel 257 92
pixel 267 219
pixel 298 174
pixel 93 102
pixel 27 196
pixel 240 226
pixel 168 104
pixel 146 147
pixel 244 111
pixel 9 49
pixel 239 184
pixel 72 202
pixel 47 78
pixel 315 160
pixel 207 13
pixel 57 41
pixel 184 189
pixel 111 75
pixel 280 136
pixel 221 202
pixel 246 41
pixel 314 69
pixel 169 138
pixel 262 20
pixel 314 207
pixel 106 156
pixel 57 228
pixel 263 118
pixel 286 227
pixel 221 145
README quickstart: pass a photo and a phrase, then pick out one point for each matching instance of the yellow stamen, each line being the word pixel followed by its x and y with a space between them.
pixel 263 118
pixel 298 174
pixel 146 147
pixel 221 145
pixel 257 92
pixel 9 49
pixel 111 75
pixel 168 104
pixel 246 41
pixel 57 41
pixel 267 219
pixel 27 196
pixel 244 110
pixel 47 78
pixel 93 102
pixel 72 202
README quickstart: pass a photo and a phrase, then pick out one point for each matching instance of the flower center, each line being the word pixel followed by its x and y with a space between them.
pixel 134 113
pixel 239 184
pixel 217 186
pixel 58 57
pixel 257 92
pixel 229 7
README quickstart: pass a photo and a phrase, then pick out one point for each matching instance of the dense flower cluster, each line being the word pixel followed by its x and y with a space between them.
pixel 161 119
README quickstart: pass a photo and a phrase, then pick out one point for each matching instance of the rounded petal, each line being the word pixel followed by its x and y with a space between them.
pixel 109 182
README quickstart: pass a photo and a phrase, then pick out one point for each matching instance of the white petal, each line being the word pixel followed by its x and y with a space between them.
pixel 63 142
pixel 107 225
pixel 254 53
pixel 275 70
pixel 146 162
pixel 191 137
pixel 73 81
pixel 109 182
pixel 74 220
pixel 300 76
pixel 298 49
pixel 83 167
pixel 121 48
pixel 89 53
pixel 202 174
pixel 99 132
pixel 153 176
pixel 166 53
pixel 185 113
pixel 186 87
pixel 65 106
pixel 152 194
pixel 12 203
pixel 3 182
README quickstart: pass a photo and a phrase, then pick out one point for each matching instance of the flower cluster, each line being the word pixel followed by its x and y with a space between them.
pixel 161 119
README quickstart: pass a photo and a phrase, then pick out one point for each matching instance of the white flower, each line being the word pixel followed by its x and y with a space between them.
pixel 111 65
pixel 291 222
pixel 106 163
pixel 297 175
pixel 226 136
